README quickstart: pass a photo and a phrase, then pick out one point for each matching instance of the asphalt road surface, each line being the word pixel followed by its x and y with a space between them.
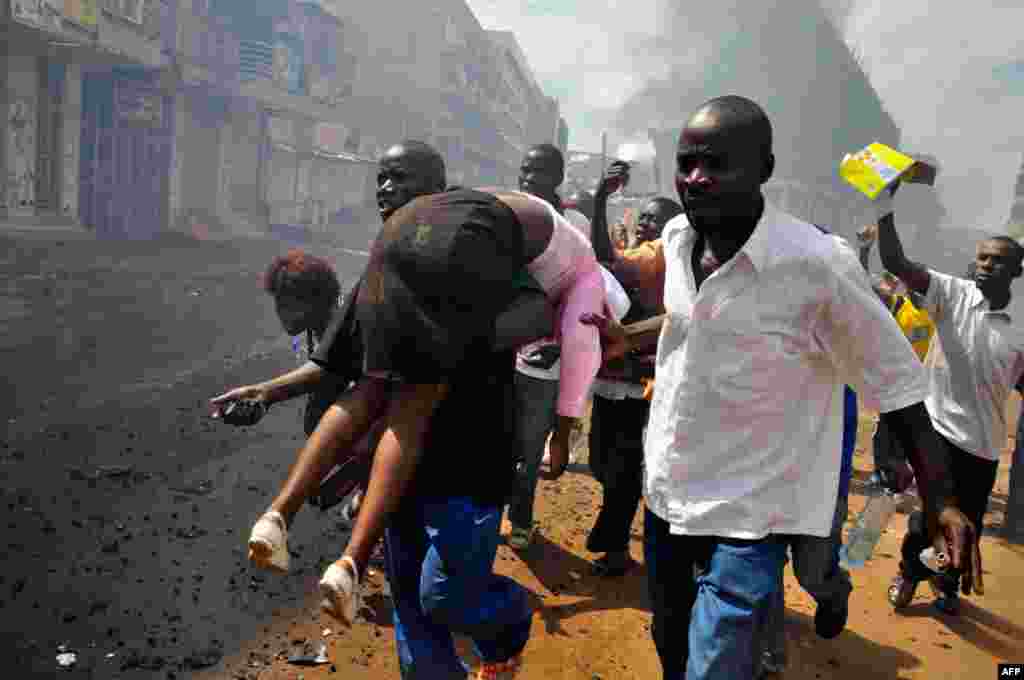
pixel 126 508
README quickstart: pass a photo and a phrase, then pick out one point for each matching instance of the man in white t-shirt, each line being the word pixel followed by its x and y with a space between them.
pixel 537 366
pixel 975 360
pixel 766 320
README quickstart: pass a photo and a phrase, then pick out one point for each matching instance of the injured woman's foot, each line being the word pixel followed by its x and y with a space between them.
pixel 268 543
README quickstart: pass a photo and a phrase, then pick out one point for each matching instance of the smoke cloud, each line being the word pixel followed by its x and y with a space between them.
pixel 948 73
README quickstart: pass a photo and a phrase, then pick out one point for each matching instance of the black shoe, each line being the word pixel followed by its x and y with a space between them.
pixel 901 591
pixel 948 605
pixel 830 617
pixel 772 663
pixel 944 587
pixel 613 565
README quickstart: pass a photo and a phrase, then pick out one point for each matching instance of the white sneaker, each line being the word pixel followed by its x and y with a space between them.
pixel 268 543
pixel 341 591
pixel 351 509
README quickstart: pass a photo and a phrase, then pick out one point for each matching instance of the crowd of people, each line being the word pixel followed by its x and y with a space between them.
pixel 725 353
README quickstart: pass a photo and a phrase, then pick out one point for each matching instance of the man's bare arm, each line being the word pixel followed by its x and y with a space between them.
pixel 617 340
pixel 866 238
pixel 895 261
pixel 616 176
pixel 925 453
pixel 642 336
pixel 944 521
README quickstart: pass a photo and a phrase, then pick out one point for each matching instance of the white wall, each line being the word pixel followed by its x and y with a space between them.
pixel 70 139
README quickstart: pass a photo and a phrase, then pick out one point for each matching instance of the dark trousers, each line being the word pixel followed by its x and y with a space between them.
pixel 973 479
pixel 710 597
pixel 616 459
pixel 535 418
pixel 887 452
pixel 440 565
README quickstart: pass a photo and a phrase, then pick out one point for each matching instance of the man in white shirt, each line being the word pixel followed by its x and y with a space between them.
pixel 975 360
pixel 767 319
pixel 537 365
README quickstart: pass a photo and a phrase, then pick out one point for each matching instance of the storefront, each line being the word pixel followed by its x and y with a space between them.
pixel 343 183
pixel 286 176
pixel 39 95
pixel 126 152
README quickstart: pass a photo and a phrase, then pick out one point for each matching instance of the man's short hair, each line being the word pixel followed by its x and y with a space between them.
pixel 552 151
pixel 1015 247
pixel 746 112
pixel 435 162
pixel 670 207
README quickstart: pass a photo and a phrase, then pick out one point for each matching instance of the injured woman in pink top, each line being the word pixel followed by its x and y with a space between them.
pixel 441 271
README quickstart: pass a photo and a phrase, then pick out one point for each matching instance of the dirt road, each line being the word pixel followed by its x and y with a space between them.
pixel 587 628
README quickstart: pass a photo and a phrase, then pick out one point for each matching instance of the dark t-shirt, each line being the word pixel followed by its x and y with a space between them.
pixel 440 272
pixel 344 343
pixel 340 350
pixel 467 450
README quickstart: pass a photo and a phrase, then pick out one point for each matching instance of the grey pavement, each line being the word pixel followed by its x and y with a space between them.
pixel 126 507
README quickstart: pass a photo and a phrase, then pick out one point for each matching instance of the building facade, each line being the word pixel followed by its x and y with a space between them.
pixel 48 49
pixel 223 118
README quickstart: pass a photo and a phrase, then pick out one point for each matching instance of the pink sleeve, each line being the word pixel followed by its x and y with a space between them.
pixel 581 343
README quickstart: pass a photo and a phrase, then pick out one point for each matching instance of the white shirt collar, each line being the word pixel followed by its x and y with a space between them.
pixel 760 249
pixel 981 301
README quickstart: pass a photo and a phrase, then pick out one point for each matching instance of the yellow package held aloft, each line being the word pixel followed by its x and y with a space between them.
pixel 874 168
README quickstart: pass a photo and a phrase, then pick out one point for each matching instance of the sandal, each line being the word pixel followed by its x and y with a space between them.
pixel 341 591
pixel 520 538
pixel 268 543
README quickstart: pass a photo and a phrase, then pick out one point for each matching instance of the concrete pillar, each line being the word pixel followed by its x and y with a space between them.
pixel 70 139
pixel 223 171
pixel 19 129
pixel 174 208
pixel 4 50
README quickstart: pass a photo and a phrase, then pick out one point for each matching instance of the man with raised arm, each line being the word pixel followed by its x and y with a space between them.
pixel 975 360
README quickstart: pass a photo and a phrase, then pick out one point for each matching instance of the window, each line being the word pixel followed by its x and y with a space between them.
pixel 326 54
pixel 451 32
pixel 132 10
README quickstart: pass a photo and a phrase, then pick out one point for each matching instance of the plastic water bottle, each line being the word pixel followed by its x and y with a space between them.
pixel 934 560
pixel 867 529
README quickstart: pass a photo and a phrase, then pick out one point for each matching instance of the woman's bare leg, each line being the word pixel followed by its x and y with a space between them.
pixel 340 429
pixel 394 465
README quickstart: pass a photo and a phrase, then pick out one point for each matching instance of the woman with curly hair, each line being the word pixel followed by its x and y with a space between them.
pixel 306 294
